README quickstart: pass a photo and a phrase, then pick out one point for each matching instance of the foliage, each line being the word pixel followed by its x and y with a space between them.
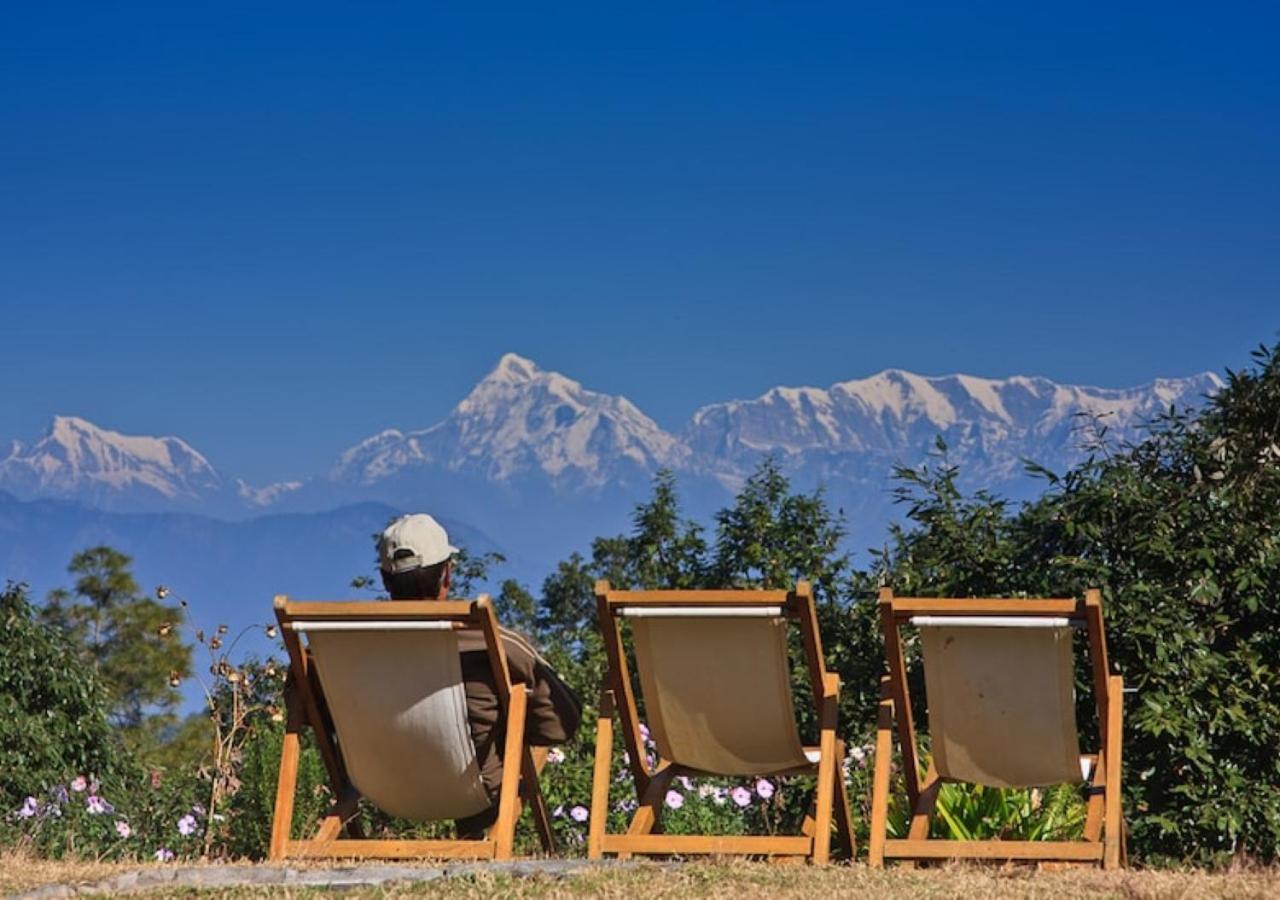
pixel 124 635
pixel 53 718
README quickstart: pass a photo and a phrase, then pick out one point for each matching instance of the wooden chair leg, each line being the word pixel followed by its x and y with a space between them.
pixel 343 809
pixel 880 776
pixel 286 785
pixel 600 777
pixel 922 815
pixel 504 828
pixel 648 816
pixel 1096 805
pixel 827 768
pixel 844 812
pixel 1113 836
pixel 535 760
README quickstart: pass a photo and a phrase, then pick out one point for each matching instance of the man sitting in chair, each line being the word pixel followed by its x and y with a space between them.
pixel 416 561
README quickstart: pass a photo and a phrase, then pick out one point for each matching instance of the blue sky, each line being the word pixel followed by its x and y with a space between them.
pixel 274 230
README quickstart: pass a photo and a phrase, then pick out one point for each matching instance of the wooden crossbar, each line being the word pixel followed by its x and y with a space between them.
pixel 345 848
pixel 750 845
pixel 947 849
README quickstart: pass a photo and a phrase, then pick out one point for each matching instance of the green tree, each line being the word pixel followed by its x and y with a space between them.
pixel 128 639
pixel 53 717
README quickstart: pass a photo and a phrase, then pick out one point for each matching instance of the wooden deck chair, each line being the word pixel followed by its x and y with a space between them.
pixel 380 685
pixel 999 682
pixel 716 683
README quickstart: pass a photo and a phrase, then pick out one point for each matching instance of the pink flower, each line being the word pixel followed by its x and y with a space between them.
pixel 579 814
pixel 675 799
pixel 187 825
pixel 685 782
pixel 741 796
pixel 123 829
pixel 79 783
pixel 645 734
pixel 164 854
pixel 96 805
pixel 28 808
pixel 764 789
pixel 555 756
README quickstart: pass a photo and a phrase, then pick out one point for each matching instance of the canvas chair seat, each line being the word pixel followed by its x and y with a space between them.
pixel 735 717
pixel 400 712
pixel 993 729
pixel 715 676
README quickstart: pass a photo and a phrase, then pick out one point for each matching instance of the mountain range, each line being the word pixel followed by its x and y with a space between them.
pixel 535 464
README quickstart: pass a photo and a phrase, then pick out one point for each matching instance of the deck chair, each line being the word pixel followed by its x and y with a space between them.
pixel 999 682
pixel 380 685
pixel 716 684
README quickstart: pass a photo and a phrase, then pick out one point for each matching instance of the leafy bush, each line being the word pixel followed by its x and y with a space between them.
pixel 53 715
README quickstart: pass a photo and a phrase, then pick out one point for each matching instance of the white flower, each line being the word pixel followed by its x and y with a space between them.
pixel 675 799
pixel 96 805
pixel 79 783
pixel 164 854
pixel 187 825
pixel 579 814
pixel 123 829
pixel 741 796
pixel 858 754
pixel 555 756
pixel 764 788
pixel 28 808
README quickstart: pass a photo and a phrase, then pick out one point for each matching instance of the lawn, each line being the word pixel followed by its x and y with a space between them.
pixel 698 880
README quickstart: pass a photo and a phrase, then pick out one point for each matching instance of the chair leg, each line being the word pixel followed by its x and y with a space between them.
pixel 648 816
pixel 844 813
pixel 880 776
pixel 504 828
pixel 827 766
pixel 922 815
pixel 286 785
pixel 601 773
pixel 535 759
pixel 343 809
pixel 1113 829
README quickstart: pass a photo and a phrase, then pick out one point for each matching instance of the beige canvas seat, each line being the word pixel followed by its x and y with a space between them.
pixel 716 683
pixel 999 683
pixel 380 684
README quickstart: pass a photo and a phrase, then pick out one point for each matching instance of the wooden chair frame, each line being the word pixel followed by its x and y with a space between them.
pixel 306 707
pixel 651 781
pixel 1104 839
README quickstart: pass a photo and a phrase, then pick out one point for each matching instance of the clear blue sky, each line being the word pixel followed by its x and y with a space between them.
pixel 274 230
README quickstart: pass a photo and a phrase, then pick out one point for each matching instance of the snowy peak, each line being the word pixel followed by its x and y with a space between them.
pixel 989 423
pixel 75 458
pixel 520 419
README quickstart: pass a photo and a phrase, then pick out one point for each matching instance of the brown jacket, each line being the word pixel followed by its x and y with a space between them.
pixel 554 709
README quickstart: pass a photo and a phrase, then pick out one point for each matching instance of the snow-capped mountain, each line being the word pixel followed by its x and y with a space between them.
pixel 540 460
pixel 523 421
pixel 76 459
pixel 862 427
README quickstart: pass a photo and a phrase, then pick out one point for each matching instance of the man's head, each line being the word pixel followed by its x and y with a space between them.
pixel 416 558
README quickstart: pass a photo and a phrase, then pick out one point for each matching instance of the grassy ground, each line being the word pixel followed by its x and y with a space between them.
pixel 739 880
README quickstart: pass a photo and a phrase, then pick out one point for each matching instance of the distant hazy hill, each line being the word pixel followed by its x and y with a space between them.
pixel 228 571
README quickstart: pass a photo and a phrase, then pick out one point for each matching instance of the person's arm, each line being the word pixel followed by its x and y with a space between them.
pixel 554 709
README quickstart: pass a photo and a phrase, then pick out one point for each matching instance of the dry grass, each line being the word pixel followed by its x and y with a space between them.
pixel 725 880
